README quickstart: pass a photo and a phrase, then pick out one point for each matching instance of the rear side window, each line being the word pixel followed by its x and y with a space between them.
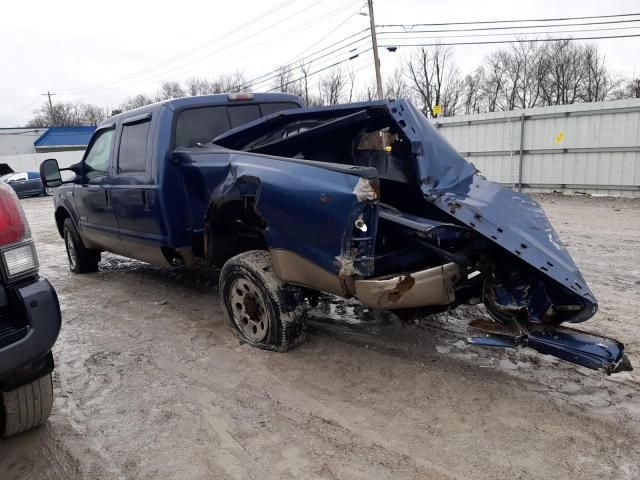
pixel 201 125
pixel 269 108
pixel 241 114
pixel 132 156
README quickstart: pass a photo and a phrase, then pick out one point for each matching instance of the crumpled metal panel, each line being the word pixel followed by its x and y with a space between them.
pixel 510 219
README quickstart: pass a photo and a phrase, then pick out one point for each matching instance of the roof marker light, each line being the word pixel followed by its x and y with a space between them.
pixel 234 97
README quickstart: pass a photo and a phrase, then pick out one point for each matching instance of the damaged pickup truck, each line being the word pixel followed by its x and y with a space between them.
pixel 363 200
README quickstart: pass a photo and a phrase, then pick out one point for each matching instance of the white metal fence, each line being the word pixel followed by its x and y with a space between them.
pixel 591 147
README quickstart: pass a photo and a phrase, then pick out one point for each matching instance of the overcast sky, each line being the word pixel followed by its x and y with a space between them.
pixel 102 52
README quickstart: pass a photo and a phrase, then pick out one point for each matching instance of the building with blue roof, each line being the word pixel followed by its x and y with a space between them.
pixel 57 139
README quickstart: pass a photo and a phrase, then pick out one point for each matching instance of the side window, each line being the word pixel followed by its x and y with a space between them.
pixel 96 162
pixel 269 108
pixel 132 156
pixel 18 177
pixel 200 125
pixel 242 114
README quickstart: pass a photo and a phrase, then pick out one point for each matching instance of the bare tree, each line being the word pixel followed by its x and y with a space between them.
pixel 200 86
pixel 284 79
pixel 67 114
pixel 351 76
pixel 331 87
pixel 474 96
pixel 436 79
pixel 396 86
pixel 305 68
pixel 598 82
pixel 135 102
pixel 565 74
pixel 169 90
pixel 368 93
pixel 633 88
pixel 229 82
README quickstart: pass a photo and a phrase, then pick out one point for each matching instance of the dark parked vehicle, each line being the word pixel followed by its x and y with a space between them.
pixel 26 184
pixel 29 324
pixel 364 200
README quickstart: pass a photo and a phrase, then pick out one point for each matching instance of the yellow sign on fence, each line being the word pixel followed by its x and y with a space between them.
pixel 437 109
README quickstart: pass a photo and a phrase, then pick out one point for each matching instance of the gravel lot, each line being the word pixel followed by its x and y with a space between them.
pixel 151 383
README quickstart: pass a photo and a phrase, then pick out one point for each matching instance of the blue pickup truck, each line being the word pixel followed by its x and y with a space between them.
pixel 364 200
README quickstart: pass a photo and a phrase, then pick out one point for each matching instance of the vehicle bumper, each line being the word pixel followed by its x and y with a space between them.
pixel 433 286
pixel 23 347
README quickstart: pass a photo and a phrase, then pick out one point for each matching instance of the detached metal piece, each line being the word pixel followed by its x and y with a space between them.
pixel 575 346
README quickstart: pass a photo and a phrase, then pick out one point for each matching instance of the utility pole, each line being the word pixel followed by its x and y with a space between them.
pixel 376 59
pixel 51 114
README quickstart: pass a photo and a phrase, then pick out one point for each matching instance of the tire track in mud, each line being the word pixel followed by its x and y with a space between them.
pixel 318 417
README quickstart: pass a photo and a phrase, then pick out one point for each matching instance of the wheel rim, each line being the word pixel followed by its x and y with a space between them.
pixel 248 309
pixel 48 191
pixel 71 250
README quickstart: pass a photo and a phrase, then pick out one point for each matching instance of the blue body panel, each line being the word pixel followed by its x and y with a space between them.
pixel 287 193
pixel 511 219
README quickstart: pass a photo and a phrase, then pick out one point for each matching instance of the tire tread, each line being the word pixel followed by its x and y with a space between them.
pixel 287 300
pixel 27 406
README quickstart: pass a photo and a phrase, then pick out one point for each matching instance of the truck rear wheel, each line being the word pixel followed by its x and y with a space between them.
pixel 81 260
pixel 264 311
pixel 26 407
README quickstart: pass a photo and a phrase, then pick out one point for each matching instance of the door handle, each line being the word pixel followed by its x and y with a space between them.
pixel 107 197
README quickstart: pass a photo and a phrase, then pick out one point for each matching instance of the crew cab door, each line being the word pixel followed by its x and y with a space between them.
pixel 95 216
pixel 135 192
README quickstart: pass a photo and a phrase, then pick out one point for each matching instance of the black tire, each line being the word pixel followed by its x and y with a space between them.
pixel 26 407
pixel 81 259
pixel 264 311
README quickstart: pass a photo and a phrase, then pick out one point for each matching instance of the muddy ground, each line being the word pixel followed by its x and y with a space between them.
pixel 151 383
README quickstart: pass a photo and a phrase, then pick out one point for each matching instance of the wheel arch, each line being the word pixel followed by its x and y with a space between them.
pixel 233 224
pixel 61 215
pixel 233 227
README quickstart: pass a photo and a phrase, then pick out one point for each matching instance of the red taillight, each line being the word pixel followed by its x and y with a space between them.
pixel 234 97
pixel 13 226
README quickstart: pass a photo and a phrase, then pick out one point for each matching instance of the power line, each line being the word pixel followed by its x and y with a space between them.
pixel 570 39
pixel 209 56
pixel 408 31
pixel 22 109
pixel 510 34
pixel 528 20
pixel 316 72
pixel 308 60
pixel 300 55
pixel 173 59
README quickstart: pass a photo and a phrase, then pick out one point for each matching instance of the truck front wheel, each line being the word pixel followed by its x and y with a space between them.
pixel 81 260
pixel 264 311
